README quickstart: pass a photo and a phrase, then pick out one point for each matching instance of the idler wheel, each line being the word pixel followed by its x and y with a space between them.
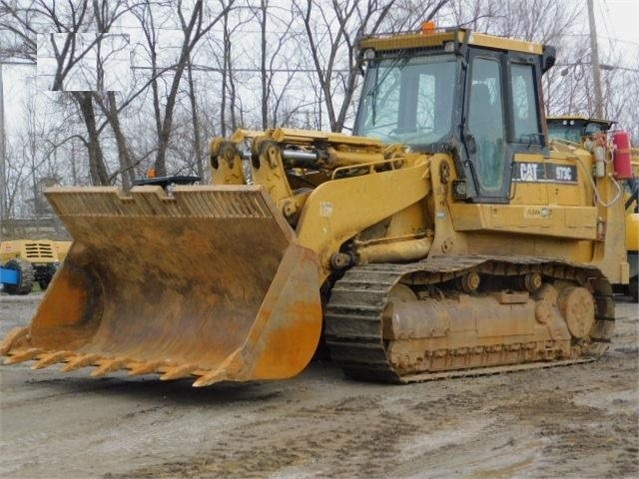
pixel 578 309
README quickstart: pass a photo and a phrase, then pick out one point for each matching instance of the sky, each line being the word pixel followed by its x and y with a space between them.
pixel 618 19
pixel 623 16
pixel 617 23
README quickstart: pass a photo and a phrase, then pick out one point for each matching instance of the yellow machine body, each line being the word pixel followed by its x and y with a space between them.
pixel 34 251
pixel 570 133
pixel 632 232
pixel 43 255
pixel 379 244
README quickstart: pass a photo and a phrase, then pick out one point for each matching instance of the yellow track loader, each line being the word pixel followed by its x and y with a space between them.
pixel 570 132
pixel 443 239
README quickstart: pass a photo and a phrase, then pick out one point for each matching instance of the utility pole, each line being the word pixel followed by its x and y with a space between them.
pixel 596 71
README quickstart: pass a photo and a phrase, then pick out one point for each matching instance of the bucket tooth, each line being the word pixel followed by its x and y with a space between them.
pixel 50 358
pixel 108 366
pixel 178 372
pixel 145 368
pixel 80 362
pixel 231 365
pixel 14 335
pixel 208 379
pixel 21 356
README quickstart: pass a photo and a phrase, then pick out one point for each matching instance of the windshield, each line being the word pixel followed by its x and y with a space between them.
pixel 573 131
pixel 565 131
pixel 408 100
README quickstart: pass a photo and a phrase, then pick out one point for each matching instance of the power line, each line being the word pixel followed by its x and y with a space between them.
pixel 169 29
pixel 605 23
pixel 204 68
pixel 612 67
pixel 13 62
pixel 114 30
pixel 618 40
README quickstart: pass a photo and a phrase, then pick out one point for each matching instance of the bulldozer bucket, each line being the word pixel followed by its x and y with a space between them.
pixel 207 282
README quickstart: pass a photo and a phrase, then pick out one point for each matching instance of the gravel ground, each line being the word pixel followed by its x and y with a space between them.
pixel 575 421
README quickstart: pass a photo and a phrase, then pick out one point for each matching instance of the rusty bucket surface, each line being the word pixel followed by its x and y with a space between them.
pixel 208 282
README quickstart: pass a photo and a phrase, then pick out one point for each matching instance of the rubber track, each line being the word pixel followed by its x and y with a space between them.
pixel 353 316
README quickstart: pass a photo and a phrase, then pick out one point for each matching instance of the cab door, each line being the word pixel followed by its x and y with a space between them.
pixel 503 113
pixel 487 129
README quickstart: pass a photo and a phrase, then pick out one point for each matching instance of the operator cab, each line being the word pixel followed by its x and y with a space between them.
pixel 574 128
pixel 475 96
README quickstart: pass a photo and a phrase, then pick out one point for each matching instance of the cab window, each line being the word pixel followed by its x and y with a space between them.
pixel 525 111
pixel 486 123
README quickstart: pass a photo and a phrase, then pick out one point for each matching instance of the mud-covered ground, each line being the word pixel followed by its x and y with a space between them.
pixel 576 421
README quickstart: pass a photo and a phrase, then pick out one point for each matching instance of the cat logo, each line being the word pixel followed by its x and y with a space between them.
pixel 528 172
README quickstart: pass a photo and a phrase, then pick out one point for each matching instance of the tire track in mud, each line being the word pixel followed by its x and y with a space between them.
pixel 350 432
pixel 354 437
pixel 574 431
pixel 393 433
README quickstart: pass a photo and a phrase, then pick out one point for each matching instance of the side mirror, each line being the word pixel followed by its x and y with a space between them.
pixel 548 58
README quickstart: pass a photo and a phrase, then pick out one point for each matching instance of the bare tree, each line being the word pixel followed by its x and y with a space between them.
pixel 194 24
pixel 19 36
pixel 229 100
pixel 195 122
pixel 273 53
pixel 630 88
pixel 68 47
pixel 249 64
pixel 75 23
pixel 331 34
pixel 16 171
pixel 34 162
pixel 109 106
pixel 568 86
pixel 97 165
pixel 228 82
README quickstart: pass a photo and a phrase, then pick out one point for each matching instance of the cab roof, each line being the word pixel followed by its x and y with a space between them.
pixel 402 41
pixel 580 119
